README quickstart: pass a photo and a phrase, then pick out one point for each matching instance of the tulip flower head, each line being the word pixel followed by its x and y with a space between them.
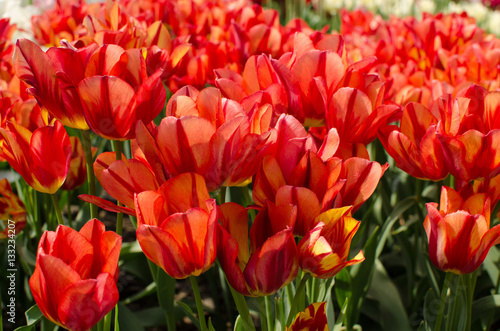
pixel 313 318
pixel 42 157
pixel 323 252
pixel 176 226
pixel 459 232
pixel 74 283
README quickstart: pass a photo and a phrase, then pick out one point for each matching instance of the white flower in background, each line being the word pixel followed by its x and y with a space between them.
pixel 492 23
pixel 19 12
pixel 473 9
pixel 424 6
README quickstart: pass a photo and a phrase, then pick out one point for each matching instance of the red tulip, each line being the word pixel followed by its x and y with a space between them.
pixel 414 146
pixel 11 208
pixel 77 172
pixel 116 99
pixel 459 232
pixel 313 318
pixel 176 226
pixel 270 261
pixel 324 251
pixel 42 157
pixel 122 179
pixel 74 283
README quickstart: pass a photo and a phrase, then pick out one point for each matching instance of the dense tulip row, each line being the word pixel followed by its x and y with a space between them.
pixel 290 110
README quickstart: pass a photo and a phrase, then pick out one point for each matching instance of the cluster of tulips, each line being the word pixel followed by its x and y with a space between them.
pixel 207 95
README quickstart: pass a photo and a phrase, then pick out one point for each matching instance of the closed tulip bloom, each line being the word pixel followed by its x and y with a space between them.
pixel 459 232
pixel 313 318
pixel 324 251
pixel 74 283
pixel 41 157
pixel 176 226
pixel 261 262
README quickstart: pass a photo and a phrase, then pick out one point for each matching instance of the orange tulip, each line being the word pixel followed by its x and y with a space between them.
pixel 74 283
pixel 313 318
pixel 41 157
pixel 270 262
pixel 176 226
pixel 459 232
pixel 122 179
pixel 11 208
pixel 324 251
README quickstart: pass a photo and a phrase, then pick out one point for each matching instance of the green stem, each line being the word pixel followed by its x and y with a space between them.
pixel 296 298
pixel 470 284
pixel 199 304
pixel 263 314
pixel 107 321
pixel 452 321
pixel 100 325
pixel 87 147
pixel 70 221
pixel 119 216
pixel 444 294
pixel 241 305
pixel 269 313
pixel 55 202
pixel 117 324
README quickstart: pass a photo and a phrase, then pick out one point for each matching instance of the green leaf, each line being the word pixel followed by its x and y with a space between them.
pixel 343 286
pixel 189 313
pixel 485 305
pixel 33 315
pixel 338 325
pixel 398 210
pixel 430 308
pixel 238 324
pixel 127 320
pixel 210 325
pixel 391 305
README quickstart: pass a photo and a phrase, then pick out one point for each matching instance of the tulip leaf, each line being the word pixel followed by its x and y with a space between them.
pixel 392 310
pixel 430 309
pixel 210 325
pixel 127 320
pixel 486 305
pixel 399 209
pixel 33 315
pixel 239 325
pixel 189 313
pixel 343 286
pixel 338 324
pixel 361 275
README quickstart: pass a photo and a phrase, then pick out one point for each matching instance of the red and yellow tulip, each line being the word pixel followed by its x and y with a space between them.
pixel 41 157
pixel 313 318
pixel 324 250
pixel 176 226
pixel 74 283
pixel 261 262
pixel 459 231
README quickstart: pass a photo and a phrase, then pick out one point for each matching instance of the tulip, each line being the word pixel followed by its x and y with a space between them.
pixel 11 208
pixel 74 283
pixel 313 318
pixel 324 251
pixel 55 93
pixel 41 157
pixel 176 226
pixel 270 262
pixel 459 232
pixel 77 172
pixel 414 146
pixel 114 100
pixel 122 179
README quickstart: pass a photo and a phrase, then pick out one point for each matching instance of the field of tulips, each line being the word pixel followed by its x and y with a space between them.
pixel 249 165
